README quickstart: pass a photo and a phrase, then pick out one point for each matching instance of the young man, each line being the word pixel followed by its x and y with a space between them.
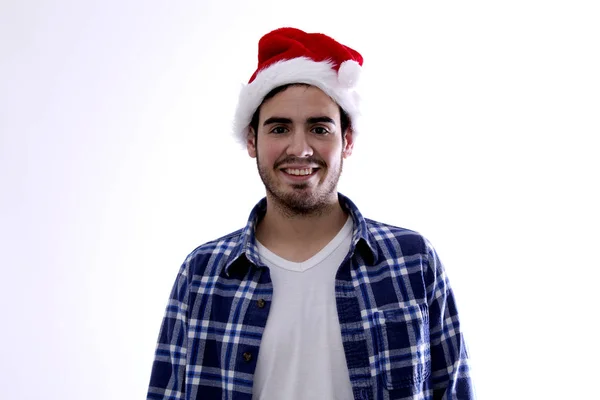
pixel 310 300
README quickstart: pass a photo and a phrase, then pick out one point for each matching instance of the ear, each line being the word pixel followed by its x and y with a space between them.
pixel 251 142
pixel 348 143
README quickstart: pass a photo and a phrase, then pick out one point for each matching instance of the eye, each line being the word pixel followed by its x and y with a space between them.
pixel 320 130
pixel 278 130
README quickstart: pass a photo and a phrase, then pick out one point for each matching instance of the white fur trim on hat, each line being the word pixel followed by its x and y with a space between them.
pixel 340 87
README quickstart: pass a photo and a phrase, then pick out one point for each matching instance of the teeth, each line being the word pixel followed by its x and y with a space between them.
pixel 305 171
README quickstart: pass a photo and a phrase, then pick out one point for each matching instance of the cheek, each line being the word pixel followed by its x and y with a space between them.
pixel 331 155
pixel 267 154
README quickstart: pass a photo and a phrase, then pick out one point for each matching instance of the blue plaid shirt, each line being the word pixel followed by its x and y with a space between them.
pixel 399 323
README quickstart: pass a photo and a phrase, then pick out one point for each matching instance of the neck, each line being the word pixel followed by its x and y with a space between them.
pixel 281 227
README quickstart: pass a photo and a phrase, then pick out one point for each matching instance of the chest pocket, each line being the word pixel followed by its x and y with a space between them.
pixel 401 346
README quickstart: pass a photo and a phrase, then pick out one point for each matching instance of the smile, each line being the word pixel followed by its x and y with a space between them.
pixel 299 172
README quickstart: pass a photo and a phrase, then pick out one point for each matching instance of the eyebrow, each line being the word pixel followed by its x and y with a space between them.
pixel 311 120
pixel 316 120
pixel 277 120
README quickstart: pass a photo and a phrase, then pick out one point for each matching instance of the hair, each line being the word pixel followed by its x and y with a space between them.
pixel 344 119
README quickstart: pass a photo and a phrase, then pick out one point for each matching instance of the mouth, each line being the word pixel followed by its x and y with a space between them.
pixel 299 173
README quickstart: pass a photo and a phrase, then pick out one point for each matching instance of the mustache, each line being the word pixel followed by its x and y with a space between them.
pixel 301 161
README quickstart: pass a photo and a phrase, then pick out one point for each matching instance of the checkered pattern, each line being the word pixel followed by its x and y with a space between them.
pixel 399 323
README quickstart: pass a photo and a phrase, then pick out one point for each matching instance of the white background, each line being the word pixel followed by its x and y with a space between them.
pixel 116 161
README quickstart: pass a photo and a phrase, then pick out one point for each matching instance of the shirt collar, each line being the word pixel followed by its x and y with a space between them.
pixel 246 247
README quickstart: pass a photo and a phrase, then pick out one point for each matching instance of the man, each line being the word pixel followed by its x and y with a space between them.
pixel 310 300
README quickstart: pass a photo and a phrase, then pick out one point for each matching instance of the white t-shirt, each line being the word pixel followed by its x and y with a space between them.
pixel 301 354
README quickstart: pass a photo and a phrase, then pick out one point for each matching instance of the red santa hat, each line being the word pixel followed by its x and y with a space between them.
pixel 289 55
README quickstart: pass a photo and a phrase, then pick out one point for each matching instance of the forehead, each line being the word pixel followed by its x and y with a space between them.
pixel 300 102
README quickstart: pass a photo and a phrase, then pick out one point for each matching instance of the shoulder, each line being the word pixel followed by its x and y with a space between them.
pixel 212 256
pixel 395 239
pixel 395 245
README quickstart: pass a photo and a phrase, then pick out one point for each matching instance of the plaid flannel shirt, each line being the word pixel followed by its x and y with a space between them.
pixel 399 323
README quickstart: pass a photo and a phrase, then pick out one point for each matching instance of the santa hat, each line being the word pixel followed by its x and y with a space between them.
pixel 289 55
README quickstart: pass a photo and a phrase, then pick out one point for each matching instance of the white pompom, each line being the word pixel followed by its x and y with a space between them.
pixel 349 73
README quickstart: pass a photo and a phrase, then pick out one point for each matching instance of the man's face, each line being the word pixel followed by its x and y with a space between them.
pixel 300 149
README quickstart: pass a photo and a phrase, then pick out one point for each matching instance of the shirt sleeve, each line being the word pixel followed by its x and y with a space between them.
pixel 450 373
pixel 167 380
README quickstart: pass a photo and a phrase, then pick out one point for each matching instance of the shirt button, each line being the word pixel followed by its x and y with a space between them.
pixel 261 303
pixel 247 356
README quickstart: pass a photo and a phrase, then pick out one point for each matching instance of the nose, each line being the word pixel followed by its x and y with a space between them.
pixel 299 146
